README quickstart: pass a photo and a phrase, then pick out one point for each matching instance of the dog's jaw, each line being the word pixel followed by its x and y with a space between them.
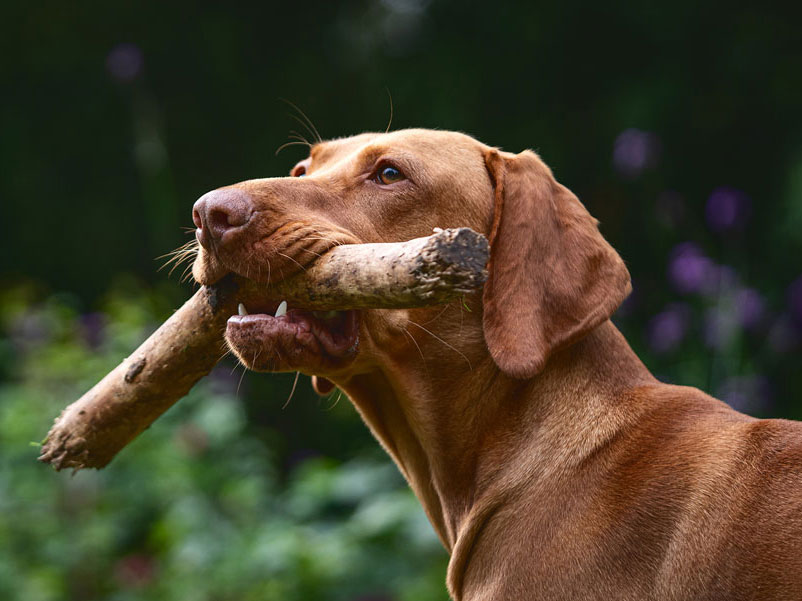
pixel 294 339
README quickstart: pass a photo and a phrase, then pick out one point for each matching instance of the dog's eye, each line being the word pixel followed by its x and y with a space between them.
pixel 389 175
pixel 299 171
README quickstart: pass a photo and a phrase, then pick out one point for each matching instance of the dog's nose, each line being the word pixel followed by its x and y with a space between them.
pixel 220 211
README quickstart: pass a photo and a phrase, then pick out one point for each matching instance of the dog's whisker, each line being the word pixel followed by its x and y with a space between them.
pixel 436 317
pixel 291 259
pixel 453 348
pixel 305 122
pixel 185 275
pixel 390 121
pixel 332 240
pixel 175 266
pixel 178 259
pixel 178 262
pixel 187 244
pixel 190 246
pixel 242 377
pixel 292 392
pixel 339 394
pixel 415 342
pixel 295 135
pixel 290 143
pixel 301 140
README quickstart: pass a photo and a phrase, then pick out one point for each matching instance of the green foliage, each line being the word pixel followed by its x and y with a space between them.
pixel 197 507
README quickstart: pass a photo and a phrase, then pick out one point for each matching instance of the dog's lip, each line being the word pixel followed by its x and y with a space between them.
pixel 335 337
pixel 212 271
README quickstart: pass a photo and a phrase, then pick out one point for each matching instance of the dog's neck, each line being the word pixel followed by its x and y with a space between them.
pixel 455 435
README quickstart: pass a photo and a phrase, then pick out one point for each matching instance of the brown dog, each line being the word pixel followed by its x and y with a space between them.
pixel 550 461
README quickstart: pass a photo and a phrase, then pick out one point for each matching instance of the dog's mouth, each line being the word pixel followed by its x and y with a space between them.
pixel 267 334
pixel 272 336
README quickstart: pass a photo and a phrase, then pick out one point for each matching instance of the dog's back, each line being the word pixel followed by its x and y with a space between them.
pixel 693 501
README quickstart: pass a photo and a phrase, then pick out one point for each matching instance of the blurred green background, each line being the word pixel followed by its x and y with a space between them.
pixel 678 124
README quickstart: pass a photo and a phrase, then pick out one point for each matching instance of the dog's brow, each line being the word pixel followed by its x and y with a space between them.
pixel 323 152
pixel 371 153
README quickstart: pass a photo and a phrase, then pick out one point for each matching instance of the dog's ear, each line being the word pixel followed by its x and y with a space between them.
pixel 552 277
pixel 322 386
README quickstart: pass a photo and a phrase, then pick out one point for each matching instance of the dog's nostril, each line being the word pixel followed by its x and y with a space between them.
pixel 196 218
pixel 220 220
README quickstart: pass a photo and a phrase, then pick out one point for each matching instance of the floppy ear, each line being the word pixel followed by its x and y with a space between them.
pixel 552 277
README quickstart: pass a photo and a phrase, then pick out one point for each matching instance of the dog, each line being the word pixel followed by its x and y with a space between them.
pixel 549 460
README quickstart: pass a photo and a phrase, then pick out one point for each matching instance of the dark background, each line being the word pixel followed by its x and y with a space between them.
pixel 678 124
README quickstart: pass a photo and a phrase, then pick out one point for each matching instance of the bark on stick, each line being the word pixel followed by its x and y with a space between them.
pixel 417 273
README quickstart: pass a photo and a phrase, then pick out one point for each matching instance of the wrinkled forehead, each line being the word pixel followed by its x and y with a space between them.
pixel 420 142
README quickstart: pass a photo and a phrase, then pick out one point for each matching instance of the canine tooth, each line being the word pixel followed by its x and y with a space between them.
pixel 282 309
pixel 241 309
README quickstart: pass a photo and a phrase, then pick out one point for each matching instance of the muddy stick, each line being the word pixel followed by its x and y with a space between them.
pixel 420 272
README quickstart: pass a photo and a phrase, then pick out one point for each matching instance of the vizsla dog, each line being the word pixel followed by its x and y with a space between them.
pixel 549 460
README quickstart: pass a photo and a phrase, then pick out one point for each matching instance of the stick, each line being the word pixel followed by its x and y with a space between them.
pixel 420 272
pixel 417 273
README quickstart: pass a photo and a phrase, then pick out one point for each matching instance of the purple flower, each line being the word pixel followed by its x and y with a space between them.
pixel 635 150
pixel 727 209
pixel 667 329
pixel 689 270
pixel 124 62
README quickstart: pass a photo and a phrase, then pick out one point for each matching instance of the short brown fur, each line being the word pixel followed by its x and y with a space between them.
pixel 550 462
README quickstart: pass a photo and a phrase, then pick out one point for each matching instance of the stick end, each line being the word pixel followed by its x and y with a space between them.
pixel 65 452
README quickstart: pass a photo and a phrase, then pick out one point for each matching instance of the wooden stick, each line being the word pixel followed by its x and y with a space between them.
pixel 420 272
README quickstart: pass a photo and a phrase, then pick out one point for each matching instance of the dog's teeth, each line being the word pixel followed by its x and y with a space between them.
pixel 241 309
pixel 282 309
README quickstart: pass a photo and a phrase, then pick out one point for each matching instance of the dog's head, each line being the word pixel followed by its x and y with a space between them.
pixel 552 276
